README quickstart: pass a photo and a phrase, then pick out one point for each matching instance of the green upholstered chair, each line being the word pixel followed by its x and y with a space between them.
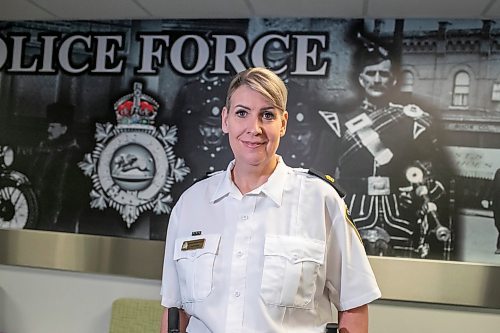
pixel 131 315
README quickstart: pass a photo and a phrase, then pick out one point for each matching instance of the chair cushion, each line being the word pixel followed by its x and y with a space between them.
pixel 130 315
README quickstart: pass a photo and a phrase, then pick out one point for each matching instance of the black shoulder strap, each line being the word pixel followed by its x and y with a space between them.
pixel 329 179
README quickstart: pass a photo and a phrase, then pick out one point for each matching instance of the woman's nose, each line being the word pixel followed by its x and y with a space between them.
pixel 254 126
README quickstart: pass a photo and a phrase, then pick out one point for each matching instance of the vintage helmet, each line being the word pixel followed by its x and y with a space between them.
pixel 202 101
pixel 61 113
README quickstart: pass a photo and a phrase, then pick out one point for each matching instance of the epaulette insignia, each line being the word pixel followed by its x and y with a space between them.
pixel 329 179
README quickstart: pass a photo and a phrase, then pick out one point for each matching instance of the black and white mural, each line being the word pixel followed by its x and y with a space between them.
pixel 103 124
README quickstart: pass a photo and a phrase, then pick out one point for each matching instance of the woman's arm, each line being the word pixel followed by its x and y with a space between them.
pixel 354 320
pixel 183 321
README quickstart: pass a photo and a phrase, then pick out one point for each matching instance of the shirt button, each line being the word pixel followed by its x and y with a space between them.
pixel 244 217
pixel 239 253
pixel 237 294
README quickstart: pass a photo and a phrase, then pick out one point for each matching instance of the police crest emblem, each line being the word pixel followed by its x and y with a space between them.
pixel 133 165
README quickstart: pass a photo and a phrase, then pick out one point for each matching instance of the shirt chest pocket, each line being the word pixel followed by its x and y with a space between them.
pixel 195 259
pixel 291 266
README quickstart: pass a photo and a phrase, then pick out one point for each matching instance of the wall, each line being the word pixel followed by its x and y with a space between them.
pixel 43 301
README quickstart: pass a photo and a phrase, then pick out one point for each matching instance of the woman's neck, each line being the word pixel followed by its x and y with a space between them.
pixel 248 177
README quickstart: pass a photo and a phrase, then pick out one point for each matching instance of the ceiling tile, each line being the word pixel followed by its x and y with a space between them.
pixel 21 10
pixel 493 11
pixel 308 8
pixel 93 9
pixel 426 8
pixel 143 9
pixel 196 8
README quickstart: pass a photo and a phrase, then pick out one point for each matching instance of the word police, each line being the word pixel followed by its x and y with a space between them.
pixel 187 54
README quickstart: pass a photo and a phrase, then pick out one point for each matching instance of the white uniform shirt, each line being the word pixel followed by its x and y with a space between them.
pixel 272 260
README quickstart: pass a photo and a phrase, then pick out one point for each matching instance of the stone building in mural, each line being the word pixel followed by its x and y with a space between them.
pixel 453 67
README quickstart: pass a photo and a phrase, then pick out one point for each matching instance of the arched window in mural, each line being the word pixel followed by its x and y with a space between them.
pixel 407 81
pixel 461 88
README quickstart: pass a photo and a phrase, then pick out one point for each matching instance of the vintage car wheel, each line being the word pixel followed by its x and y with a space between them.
pixel 18 206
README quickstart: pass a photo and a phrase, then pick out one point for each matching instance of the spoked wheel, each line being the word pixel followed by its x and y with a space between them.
pixel 18 206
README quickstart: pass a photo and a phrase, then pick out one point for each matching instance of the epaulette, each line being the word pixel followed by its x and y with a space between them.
pixel 329 179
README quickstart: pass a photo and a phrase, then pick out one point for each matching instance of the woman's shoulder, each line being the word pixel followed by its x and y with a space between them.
pixel 320 180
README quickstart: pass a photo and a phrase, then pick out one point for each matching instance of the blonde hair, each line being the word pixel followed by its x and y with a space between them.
pixel 263 81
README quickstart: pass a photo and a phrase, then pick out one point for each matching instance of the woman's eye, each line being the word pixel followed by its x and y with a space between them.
pixel 268 116
pixel 241 113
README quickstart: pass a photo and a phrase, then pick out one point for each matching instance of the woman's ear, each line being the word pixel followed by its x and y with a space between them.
pixel 284 122
pixel 224 116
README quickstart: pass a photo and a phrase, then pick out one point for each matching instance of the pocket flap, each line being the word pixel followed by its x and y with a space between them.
pixel 295 249
pixel 193 247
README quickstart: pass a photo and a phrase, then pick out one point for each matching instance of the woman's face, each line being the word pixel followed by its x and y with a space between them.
pixel 254 127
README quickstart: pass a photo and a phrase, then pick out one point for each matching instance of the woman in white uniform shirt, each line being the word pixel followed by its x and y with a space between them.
pixel 262 247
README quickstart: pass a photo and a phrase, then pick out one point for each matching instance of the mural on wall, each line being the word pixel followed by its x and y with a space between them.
pixel 105 123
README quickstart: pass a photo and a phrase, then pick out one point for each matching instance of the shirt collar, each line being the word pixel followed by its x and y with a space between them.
pixel 275 185
pixel 273 188
pixel 368 106
pixel 226 185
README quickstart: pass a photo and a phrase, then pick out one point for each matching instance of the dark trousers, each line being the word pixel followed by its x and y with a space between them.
pixel 496 216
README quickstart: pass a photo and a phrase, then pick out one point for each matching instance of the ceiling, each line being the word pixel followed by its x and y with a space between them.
pixel 156 9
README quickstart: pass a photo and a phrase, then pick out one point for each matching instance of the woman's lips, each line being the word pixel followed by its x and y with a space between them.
pixel 251 144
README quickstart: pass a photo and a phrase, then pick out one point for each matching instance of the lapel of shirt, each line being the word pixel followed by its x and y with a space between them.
pixel 225 186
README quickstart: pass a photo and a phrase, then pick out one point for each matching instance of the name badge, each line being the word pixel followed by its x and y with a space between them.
pixel 379 185
pixel 194 244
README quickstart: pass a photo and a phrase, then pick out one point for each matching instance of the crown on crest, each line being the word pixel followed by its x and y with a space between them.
pixel 136 108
